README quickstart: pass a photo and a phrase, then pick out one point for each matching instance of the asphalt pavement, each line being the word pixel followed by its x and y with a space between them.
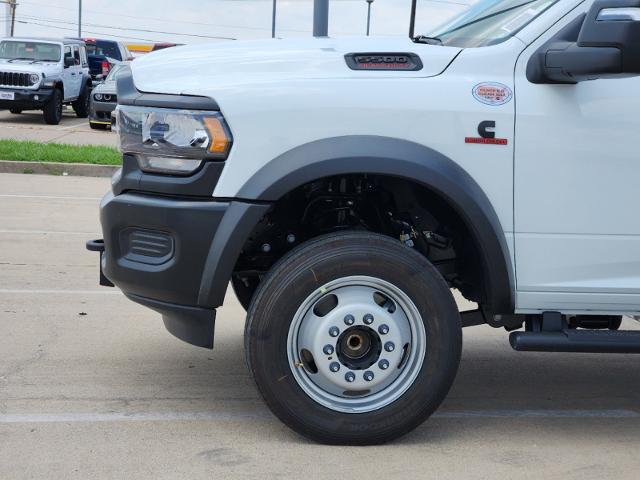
pixel 93 387
pixel 29 125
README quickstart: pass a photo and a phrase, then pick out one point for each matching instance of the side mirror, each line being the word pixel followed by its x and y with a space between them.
pixel 69 62
pixel 607 44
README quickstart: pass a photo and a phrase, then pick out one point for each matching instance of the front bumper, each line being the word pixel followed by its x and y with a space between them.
pixel 100 112
pixel 155 251
pixel 174 250
pixel 26 99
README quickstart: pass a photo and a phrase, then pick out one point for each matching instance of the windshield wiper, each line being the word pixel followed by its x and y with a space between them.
pixel 19 58
pixel 427 40
pixel 494 14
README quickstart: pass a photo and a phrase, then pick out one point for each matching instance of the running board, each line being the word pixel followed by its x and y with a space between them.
pixel 581 341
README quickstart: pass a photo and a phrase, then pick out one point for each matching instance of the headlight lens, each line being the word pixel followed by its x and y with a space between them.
pixel 172 141
pixel 98 97
pixel 35 78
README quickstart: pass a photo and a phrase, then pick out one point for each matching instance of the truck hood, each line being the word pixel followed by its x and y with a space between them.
pixel 192 69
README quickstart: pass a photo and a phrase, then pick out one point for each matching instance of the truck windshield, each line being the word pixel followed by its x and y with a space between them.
pixel 34 51
pixel 107 49
pixel 488 22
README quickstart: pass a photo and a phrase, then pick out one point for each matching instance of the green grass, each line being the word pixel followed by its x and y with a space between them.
pixel 58 152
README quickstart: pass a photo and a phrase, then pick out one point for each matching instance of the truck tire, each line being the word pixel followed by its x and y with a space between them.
pixel 53 110
pixel 81 105
pixel 353 339
pixel 16 111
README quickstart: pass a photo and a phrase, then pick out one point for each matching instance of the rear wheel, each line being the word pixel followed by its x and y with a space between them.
pixel 353 338
pixel 16 111
pixel 53 109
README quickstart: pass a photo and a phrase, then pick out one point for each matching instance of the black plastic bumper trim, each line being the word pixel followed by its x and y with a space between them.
pixel 193 325
pixel 200 184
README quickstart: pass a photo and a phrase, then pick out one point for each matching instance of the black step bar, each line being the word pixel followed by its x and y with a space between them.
pixel 579 341
pixel 550 332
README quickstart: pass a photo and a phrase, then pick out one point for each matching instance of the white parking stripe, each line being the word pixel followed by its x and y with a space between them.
pixel 49 197
pixel 48 232
pixel 59 292
pixel 75 125
pixel 252 415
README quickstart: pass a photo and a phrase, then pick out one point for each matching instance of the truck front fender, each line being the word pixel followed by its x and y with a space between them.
pixel 372 155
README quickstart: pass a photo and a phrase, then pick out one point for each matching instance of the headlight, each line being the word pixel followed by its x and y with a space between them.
pixel 34 78
pixel 172 141
pixel 98 97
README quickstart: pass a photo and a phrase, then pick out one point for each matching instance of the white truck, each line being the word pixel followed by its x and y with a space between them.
pixel 344 187
pixel 44 74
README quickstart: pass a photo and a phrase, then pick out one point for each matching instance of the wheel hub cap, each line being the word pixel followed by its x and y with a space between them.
pixel 357 344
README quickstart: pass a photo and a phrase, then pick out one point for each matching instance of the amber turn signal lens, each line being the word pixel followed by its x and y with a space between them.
pixel 220 140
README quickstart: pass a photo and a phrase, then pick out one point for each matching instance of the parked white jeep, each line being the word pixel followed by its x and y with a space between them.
pixel 346 186
pixel 44 74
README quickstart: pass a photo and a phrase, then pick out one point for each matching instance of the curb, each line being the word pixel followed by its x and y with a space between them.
pixel 55 168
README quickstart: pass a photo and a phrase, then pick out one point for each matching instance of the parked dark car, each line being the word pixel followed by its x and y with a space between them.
pixel 103 55
pixel 104 100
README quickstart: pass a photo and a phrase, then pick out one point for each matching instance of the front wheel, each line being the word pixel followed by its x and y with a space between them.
pixel 15 111
pixel 53 109
pixel 353 338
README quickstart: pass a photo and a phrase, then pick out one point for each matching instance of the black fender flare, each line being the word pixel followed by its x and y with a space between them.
pixel 373 155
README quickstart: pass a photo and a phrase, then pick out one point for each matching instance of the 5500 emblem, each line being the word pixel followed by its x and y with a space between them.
pixel 383 61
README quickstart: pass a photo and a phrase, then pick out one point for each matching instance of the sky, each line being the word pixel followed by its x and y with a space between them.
pixel 197 21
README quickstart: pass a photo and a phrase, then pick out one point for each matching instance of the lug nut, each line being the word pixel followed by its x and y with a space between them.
pixel 350 377
pixel 368 375
pixel 334 367
pixel 291 238
pixel 368 319
pixel 334 331
pixel 349 320
pixel 266 248
pixel 383 364
pixel 389 347
pixel 383 329
pixel 328 349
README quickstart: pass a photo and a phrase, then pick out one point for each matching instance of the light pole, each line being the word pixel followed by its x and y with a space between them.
pixel 273 20
pixel 79 18
pixel 369 2
pixel 320 18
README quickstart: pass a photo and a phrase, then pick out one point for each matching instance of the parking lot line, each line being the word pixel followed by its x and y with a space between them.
pixel 46 232
pixel 10 291
pixel 74 125
pixel 49 197
pixel 253 415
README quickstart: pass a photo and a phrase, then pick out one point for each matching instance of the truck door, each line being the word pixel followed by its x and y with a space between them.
pixel 576 226
pixel 69 74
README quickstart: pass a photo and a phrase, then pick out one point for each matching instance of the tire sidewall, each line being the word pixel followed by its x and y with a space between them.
pixel 298 276
pixel 53 110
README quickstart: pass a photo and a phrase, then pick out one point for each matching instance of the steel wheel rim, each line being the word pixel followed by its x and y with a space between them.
pixel 361 383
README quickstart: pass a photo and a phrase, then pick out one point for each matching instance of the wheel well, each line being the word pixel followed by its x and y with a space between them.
pixel 397 207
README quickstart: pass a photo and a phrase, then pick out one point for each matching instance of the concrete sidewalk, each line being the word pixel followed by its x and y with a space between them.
pixel 73 130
